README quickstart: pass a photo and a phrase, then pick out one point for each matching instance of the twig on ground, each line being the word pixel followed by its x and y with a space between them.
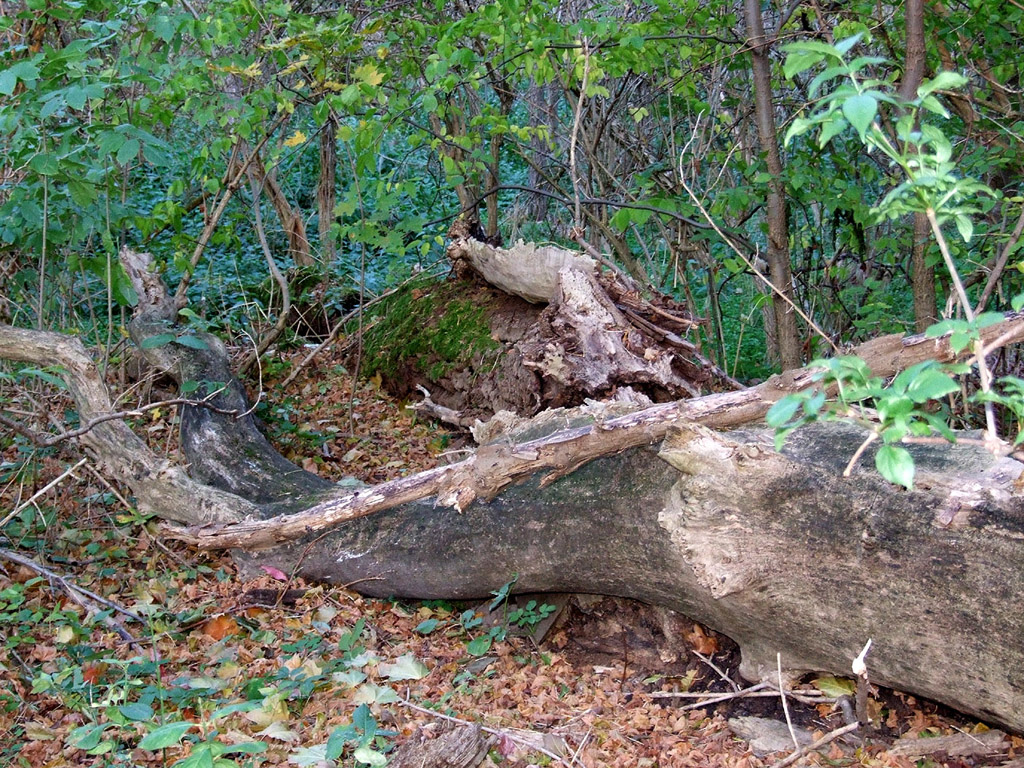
pixel 507 733
pixel 48 442
pixel 715 698
pixel 78 594
pixel 826 739
pixel 45 489
pixel 108 486
pixel 785 706
pixel 721 674
pixel 761 690
pixel 860 669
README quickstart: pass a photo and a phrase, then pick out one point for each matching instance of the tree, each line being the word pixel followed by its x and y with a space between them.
pixel 787 335
pixel 722 528
pixel 123 126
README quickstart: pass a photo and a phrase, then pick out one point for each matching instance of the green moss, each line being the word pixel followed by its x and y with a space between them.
pixel 426 327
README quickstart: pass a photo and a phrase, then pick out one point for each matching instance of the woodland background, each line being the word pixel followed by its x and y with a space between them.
pixel 290 164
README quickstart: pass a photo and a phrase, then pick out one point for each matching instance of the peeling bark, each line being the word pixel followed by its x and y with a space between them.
pixel 777 550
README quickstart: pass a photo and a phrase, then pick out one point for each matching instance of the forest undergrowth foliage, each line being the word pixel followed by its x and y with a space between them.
pixel 129 651
pixel 912 405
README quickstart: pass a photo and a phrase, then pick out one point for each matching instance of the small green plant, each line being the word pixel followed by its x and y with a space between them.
pixel 531 614
pixel 923 155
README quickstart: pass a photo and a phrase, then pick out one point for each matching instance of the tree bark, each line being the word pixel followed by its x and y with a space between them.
pixel 788 335
pixel 922 275
pixel 779 551
pixel 291 220
pixel 325 190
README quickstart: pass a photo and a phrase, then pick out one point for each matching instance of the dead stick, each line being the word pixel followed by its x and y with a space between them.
pixel 826 739
pixel 77 594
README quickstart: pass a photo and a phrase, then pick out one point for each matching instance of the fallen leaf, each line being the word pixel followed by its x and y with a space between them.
pixel 220 627
pixel 276 573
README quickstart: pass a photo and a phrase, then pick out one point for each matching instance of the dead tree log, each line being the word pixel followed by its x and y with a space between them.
pixel 778 551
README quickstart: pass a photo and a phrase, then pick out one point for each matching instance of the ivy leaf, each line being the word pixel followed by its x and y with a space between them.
pixel 896 465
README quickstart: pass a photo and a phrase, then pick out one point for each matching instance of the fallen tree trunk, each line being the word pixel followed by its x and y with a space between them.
pixel 778 551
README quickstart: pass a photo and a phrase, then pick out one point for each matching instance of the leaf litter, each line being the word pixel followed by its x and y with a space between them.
pixel 275 671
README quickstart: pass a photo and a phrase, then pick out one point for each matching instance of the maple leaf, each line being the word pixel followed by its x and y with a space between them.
pixel 369 74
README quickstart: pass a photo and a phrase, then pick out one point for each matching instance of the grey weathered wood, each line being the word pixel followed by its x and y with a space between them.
pixel 778 551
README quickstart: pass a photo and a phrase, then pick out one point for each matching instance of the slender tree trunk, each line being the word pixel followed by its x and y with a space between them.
pixel 290 218
pixel 778 228
pixel 325 191
pixel 922 276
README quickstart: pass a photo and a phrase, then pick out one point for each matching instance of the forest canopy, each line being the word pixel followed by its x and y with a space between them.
pixel 241 141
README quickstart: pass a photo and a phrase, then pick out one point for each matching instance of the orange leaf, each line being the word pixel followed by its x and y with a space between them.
pixel 220 627
pixel 92 673
pixel 702 642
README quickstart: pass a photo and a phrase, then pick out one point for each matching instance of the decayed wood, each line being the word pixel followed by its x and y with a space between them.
pixel 778 551
pixel 159 486
pixel 598 333
pixel 461 747
pixel 525 270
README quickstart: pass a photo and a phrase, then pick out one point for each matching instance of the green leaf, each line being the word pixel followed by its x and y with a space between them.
pixel 830 129
pixel 23 70
pixel 943 81
pixel 835 687
pixel 406 667
pixel 478 646
pixel 860 110
pixel 44 164
pixel 49 378
pixel 896 465
pixel 128 151
pixel 166 735
pixel 783 410
pixel 157 341
pixel 310 757
pixel 930 384
pixel 427 626
pixel 429 102
pixel 964 226
pixel 369 756
pixel 985 319
pixel 87 736
pixel 1017 302
pixel 137 711
pixel 846 44
pixel 192 342
pixel 339 737
pixel 82 193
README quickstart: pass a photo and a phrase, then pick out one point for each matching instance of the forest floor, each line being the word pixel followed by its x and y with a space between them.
pixel 169 659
